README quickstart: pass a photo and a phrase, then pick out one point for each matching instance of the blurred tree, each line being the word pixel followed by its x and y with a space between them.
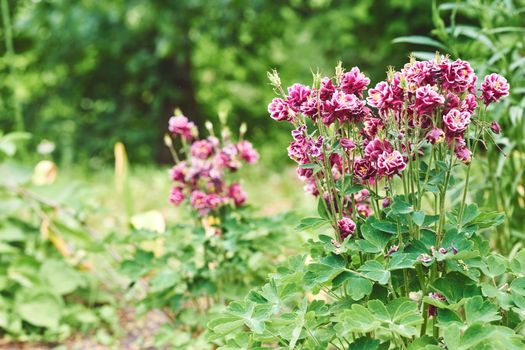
pixel 94 72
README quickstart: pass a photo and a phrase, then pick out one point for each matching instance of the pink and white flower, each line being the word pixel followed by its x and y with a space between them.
pixel 493 88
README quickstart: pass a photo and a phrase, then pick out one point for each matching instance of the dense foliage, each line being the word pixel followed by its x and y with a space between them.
pixel 48 287
pixel 90 73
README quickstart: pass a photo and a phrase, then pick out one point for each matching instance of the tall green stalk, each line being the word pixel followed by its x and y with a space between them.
pixel 9 56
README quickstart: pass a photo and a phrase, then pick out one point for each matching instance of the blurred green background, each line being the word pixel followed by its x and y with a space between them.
pixel 87 73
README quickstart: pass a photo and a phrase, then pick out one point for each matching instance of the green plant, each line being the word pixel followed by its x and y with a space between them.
pixel 48 289
pixel 491 35
pixel 395 266
pixel 191 270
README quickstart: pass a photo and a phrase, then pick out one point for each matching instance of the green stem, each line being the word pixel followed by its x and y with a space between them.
pixel 10 53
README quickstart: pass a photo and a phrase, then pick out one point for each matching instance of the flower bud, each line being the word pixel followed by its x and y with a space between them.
pixel 494 126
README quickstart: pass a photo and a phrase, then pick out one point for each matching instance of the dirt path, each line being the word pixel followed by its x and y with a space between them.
pixel 135 334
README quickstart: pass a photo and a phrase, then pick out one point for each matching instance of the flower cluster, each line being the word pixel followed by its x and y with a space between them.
pixel 340 136
pixel 202 178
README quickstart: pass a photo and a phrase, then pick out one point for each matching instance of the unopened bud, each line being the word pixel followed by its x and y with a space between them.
pixel 167 140
pixel 209 126
pixel 242 130
pixel 339 71
pixel 177 112
pixel 273 76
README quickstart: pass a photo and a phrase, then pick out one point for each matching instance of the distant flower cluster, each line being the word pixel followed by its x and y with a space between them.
pixel 202 178
pixel 374 138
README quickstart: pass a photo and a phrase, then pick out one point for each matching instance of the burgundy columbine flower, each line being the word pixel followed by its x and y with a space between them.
pixel 494 126
pixel 424 258
pixel 227 159
pixel 371 126
pixel 178 172
pixel 463 153
pixel 375 147
pixel 201 149
pixel 346 227
pixel 347 144
pixel 180 125
pixel 420 73
pixel 469 104
pixel 436 135
pixel 363 169
pixel 426 100
pixel 315 148
pixel 393 249
pixel 363 209
pixel 380 96
pixel 493 88
pixel 452 102
pixel 247 152
pixel 346 107
pixel 278 110
pixel 310 107
pixel 176 195
pixel 213 201
pixel 386 202
pixel 299 133
pixel 362 195
pixel 327 89
pixel 297 95
pixel 354 82
pixel 198 200
pixel 456 121
pixel 390 163
pixel 432 311
pixel 457 76
pixel 310 187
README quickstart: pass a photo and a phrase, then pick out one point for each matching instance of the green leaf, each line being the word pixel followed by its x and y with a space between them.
pixel 357 286
pixel 405 316
pixel 504 299
pixel 365 343
pixel 399 261
pixel 420 40
pixel 375 236
pixel 454 288
pixel 482 311
pixel 312 223
pixel 418 217
pixel 400 206
pixel 446 317
pixel 166 278
pixel 39 307
pixel 375 271
pixel 385 226
pixel 481 336
pixel 469 213
pixel 359 319
pixel 322 208
pixel 486 220
pixel 225 325
pixel 324 271
pixel 62 278
pixel 517 264
pixel 400 316
pixel 352 189
pixel 518 286
pixel 496 265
